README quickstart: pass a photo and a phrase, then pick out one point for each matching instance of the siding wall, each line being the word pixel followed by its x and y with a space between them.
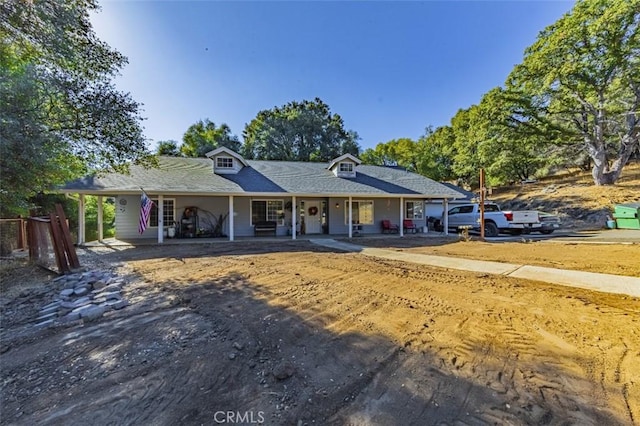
pixel 383 208
pixel 127 215
pixel 210 207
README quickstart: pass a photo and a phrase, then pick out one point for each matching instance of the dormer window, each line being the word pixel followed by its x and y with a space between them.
pixel 224 163
pixel 346 167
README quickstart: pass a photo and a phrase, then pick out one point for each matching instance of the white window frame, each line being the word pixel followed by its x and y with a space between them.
pixel 279 212
pixel 413 215
pixel 167 219
pixel 358 220
pixel 226 164
pixel 345 167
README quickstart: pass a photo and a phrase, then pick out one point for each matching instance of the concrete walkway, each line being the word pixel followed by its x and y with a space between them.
pixel 588 280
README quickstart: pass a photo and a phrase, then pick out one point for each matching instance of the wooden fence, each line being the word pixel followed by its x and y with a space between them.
pixel 50 242
pixel 13 235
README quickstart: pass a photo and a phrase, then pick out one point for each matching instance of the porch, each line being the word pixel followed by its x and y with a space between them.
pixel 209 219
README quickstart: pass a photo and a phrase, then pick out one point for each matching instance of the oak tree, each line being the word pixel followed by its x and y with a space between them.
pixel 298 131
pixel 60 114
pixel 581 79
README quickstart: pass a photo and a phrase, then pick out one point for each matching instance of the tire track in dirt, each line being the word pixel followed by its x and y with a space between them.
pixel 391 300
pixel 319 337
pixel 502 375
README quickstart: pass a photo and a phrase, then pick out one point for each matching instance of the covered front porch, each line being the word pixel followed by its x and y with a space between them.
pixel 207 219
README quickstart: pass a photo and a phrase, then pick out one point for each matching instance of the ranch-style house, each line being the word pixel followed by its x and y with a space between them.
pixel 225 195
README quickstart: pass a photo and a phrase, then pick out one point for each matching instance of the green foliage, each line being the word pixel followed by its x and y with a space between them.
pixel 398 152
pixel 31 157
pixel 168 148
pixel 429 156
pixel 510 151
pixel 59 112
pixel 468 134
pixel 437 150
pixel 44 204
pixel 91 217
pixel 298 131
pixel 581 80
pixel 574 100
pixel 205 136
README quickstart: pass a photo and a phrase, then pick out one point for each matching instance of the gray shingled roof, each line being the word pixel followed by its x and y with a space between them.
pixel 468 195
pixel 195 176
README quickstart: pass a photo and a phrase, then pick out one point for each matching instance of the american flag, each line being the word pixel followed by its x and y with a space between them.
pixel 145 212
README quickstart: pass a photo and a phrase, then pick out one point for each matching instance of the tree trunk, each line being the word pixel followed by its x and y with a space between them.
pixel 604 175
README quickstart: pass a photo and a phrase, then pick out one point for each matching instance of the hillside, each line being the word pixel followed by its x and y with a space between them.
pixel 572 196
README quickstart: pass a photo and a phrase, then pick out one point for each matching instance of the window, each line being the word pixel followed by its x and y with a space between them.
pixel 224 163
pixel 461 209
pixel 413 210
pixel 362 212
pixel 267 210
pixel 346 167
pixel 491 208
pixel 168 215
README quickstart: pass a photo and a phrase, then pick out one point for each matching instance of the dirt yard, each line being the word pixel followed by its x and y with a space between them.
pixel 290 333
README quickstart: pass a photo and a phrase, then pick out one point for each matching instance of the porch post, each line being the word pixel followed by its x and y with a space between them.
pixel 231 218
pixel 401 226
pixel 294 217
pixel 350 218
pixel 445 215
pixel 100 219
pixel 160 208
pixel 81 220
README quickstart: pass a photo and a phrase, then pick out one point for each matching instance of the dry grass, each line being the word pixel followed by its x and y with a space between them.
pixel 573 196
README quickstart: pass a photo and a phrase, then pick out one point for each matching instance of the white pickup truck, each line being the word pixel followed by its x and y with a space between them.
pixel 496 220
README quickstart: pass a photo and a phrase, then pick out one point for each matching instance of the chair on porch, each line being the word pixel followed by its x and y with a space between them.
pixel 389 228
pixel 409 226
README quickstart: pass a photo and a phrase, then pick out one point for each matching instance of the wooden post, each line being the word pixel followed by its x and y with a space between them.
pixel 232 219
pixel 58 244
pixel 22 234
pixel 31 235
pixel 482 204
pixel 294 217
pixel 350 220
pixel 445 210
pixel 67 242
pixel 401 226
pixel 100 219
pixel 81 220
pixel 160 210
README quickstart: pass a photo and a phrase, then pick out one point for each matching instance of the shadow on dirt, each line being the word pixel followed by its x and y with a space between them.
pixel 197 353
pixel 118 253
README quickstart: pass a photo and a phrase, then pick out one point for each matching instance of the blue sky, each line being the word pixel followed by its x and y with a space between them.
pixel 389 69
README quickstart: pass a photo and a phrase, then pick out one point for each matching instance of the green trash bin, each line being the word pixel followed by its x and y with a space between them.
pixel 627 216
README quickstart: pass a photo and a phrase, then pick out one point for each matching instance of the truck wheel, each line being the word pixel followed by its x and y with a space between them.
pixel 490 229
pixel 546 231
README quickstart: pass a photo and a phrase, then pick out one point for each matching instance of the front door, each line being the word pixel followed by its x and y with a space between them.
pixel 313 217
